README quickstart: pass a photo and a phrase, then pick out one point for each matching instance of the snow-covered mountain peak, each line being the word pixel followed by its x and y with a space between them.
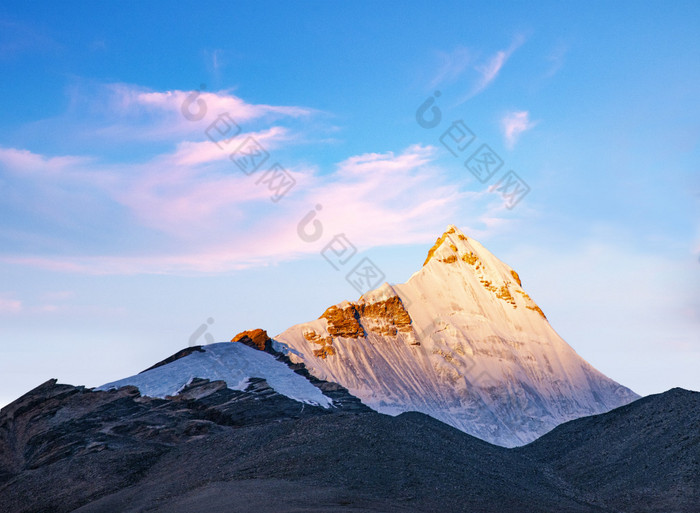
pixel 462 341
pixel 454 246
pixel 463 281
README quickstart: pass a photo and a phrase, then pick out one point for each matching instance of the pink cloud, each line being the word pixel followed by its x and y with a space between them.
pixel 224 221
pixel 217 102
pixel 190 153
pixel 513 124
pixel 126 112
pixel 25 161
pixel 58 296
pixel 191 210
pixel 11 306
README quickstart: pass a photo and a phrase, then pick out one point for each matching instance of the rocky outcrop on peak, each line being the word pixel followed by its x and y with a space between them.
pixel 385 317
pixel 344 321
pixel 516 277
pixel 437 244
pixel 257 339
pixel 502 290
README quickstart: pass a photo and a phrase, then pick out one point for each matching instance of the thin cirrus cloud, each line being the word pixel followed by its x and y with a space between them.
pixel 452 65
pixel 129 113
pixel 488 69
pixel 556 60
pixel 513 125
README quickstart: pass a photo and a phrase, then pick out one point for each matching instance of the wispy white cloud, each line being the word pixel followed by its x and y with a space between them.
pixel 513 124
pixel 214 60
pixel 489 68
pixel 25 161
pixel 190 153
pixel 121 112
pixel 218 102
pixel 556 60
pixel 452 65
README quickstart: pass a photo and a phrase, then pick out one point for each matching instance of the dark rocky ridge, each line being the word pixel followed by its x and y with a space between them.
pixel 641 457
pixel 65 448
pixel 180 354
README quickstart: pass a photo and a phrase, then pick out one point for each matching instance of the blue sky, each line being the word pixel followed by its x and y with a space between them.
pixel 123 228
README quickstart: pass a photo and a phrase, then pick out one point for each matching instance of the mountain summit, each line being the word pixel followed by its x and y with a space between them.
pixel 461 341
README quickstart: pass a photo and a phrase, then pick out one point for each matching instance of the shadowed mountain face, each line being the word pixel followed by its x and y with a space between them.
pixel 209 448
pixel 641 457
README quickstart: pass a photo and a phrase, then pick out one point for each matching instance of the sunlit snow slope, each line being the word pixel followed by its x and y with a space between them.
pixel 229 362
pixel 460 341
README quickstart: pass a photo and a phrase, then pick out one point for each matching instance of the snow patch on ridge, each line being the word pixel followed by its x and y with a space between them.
pixel 230 362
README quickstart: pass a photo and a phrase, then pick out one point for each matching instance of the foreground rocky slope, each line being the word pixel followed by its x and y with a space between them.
pixel 642 457
pixel 462 342
pixel 209 448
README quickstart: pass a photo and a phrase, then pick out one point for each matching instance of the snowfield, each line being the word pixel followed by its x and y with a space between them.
pixel 230 362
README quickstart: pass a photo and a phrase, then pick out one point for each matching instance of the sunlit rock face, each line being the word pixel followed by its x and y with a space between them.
pixel 256 338
pixel 462 341
pixel 354 320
